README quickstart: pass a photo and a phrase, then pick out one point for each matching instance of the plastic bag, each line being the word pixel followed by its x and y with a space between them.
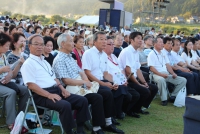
pixel 18 124
pixel 180 98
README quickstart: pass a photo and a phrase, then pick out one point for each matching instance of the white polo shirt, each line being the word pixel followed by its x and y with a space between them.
pixel 157 60
pixel 194 55
pixel 96 62
pixel 129 57
pixel 177 57
pixel 37 70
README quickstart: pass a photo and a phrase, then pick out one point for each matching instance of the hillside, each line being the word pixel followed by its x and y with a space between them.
pixel 63 7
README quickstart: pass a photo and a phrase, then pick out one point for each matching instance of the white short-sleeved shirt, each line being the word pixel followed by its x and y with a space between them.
pixel 96 62
pixel 158 61
pixel 113 65
pixel 194 55
pixel 129 57
pixel 177 57
pixel 147 51
pixel 186 58
pixel 37 70
pixel 169 56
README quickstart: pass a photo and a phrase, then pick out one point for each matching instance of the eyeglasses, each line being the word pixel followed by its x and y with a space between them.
pixel 38 45
pixel 110 44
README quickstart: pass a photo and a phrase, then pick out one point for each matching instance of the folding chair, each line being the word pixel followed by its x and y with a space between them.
pixel 30 99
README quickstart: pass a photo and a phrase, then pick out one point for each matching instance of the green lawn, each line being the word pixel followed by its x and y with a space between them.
pixel 162 120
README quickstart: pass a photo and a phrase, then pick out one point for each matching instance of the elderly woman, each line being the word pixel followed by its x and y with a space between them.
pixel 88 42
pixel 16 46
pixel 78 49
pixel 9 89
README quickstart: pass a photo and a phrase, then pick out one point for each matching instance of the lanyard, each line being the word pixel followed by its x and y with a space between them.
pixel 158 58
pixel 44 67
pixel 112 61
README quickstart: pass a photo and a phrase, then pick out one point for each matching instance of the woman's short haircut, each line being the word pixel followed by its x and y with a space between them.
pixel 48 38
pixel 27 30
pixel 77 37
pixel 53 29
pixel 11 27
pixel 4 38
pixel 36 28
pixel 15 38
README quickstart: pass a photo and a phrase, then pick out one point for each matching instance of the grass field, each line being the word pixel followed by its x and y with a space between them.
pixel 161 120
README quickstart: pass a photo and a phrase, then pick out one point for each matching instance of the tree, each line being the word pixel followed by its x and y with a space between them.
pixel 187 15
pixel 6 13
pixel 55 18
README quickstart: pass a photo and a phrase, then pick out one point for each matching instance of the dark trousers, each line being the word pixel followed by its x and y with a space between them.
pixel 96 101
pixel 146 95
pixel 130 100
pixel 198 83
pixel 65 107
pixel 192 81
pixel 107 96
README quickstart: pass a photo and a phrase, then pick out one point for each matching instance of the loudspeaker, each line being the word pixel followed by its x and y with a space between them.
pixel 112 16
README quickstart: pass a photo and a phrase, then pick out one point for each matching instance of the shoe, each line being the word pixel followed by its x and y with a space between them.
pixel 133 115
pixel 121 116
pixel 100 131
pixel 112 128
pixel 164 103
pixel 143 112
pixel 79 132
pixel 88 125
pixel 114 121
pixel 172 99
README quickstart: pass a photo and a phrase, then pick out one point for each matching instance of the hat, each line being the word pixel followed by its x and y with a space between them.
pixel 183 40
pixel 127 33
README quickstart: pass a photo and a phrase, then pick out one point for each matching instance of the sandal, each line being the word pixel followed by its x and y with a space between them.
pixel 10 127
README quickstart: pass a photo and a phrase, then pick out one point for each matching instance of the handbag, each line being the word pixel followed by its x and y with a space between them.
pixel 180 98
pixel 81 90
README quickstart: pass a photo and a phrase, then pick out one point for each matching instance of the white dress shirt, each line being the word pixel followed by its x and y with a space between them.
pixel 158 61
pixel 37 70
pixel 95 61
pixel 177 57
pixel 169 56
pixel 129 57
pixel 194 55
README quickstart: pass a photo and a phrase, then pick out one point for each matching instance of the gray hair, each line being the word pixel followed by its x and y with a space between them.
pixel 95 36
pixel 147 37
pixel 62 38
pixel 155 40
pixel 89 38
pixel 32 37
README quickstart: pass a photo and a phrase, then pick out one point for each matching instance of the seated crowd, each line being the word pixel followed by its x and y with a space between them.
pixel 117 73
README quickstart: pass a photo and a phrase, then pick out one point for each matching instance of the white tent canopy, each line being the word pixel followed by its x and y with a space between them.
pixel 89 20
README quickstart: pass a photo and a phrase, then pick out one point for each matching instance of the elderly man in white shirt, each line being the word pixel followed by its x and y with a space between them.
pixel 162 72
pixel 95 65
pixel 129 61
pixel 49 92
